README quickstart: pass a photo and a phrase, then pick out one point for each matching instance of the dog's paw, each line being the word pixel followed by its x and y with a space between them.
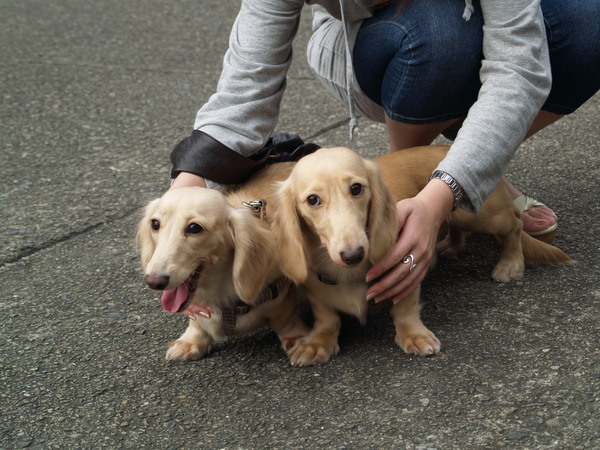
pixel 289 342
pixel 313 350
pixel 422 342
pixel 293 332
pixel 184 350
pixel 506 271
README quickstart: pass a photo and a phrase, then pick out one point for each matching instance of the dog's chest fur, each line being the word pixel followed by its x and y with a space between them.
pixel 341 288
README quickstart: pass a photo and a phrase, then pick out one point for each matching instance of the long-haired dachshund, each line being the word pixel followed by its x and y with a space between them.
pixel 336 218
pixel 199 246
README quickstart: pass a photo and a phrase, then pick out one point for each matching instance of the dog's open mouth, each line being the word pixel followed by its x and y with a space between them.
pixel 174 300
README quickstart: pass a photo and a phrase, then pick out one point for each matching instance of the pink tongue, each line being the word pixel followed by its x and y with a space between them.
pixel 174 298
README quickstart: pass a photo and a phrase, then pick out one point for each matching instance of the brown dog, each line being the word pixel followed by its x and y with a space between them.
pixel 199 246
pixel 336 218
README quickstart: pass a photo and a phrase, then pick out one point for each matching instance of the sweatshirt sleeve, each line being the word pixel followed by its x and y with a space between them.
pixel 516 80
pixel 243 111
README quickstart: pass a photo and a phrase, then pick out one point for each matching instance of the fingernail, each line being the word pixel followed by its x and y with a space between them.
pixel 370 296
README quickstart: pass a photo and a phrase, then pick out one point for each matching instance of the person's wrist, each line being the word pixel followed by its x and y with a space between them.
pixel 439 199
pixel 185 179
pixel 457 191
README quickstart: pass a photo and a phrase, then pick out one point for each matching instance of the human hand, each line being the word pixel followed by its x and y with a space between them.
pixel 203 309
pixel 419 221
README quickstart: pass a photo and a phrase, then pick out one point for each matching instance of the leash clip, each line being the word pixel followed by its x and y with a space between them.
pixel 258 207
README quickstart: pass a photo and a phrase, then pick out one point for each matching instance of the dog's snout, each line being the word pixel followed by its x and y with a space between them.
pixel 353 257
pixel 157 282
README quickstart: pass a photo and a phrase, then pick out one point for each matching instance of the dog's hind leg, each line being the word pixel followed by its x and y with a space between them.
pixel 454 243
pixel 511 264
pixel 499 218
pixel 322 342
pixel 411 334
pixel 506 226
pixel 193 344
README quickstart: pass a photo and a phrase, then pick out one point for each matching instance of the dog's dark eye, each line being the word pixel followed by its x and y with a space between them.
pixel 194 228
pixel 155 224
pixel 313 200
pixel 356 189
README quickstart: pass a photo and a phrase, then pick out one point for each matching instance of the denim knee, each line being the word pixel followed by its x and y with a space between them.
pixel 573 32
pixel 421 65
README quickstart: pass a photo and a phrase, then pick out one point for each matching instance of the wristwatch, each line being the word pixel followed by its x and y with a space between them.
pixel 452 183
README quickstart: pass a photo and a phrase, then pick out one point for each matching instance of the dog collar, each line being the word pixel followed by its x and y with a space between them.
pixel 326 279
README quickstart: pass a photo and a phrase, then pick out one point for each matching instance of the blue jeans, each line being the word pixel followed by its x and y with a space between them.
pixel 422 65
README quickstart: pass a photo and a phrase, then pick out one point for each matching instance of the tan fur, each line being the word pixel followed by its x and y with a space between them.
pixel 237 253
pixel 315 237
pixel 318 237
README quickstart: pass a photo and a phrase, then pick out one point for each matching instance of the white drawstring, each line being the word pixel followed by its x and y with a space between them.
pixel 349 73
pixel 468 10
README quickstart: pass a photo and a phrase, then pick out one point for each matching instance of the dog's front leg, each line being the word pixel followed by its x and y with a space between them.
pixel 411 334
pixel 193 344
pixel 285 319
pixel 322 342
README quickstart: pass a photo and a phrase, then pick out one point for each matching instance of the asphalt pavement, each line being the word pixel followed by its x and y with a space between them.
pixel 94 97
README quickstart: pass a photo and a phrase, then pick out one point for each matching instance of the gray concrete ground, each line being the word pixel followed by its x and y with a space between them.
pixel 94 96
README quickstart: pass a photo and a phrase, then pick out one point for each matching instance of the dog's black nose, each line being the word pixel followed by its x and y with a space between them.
pixel 353 257
pixel 157 282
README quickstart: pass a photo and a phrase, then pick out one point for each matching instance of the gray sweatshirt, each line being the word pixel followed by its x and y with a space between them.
pixel 515 77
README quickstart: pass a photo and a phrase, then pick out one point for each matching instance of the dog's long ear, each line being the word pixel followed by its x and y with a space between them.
pixel 285 226
pixel 254 253
pixel 144 242
pixel 382 216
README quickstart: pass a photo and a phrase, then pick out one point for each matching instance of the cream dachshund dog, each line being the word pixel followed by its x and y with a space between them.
pixel 211 255
pixel 336 218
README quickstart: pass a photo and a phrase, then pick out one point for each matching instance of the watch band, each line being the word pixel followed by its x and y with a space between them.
pixel 452 183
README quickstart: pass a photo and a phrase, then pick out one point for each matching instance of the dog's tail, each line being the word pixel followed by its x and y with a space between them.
pixel 538 252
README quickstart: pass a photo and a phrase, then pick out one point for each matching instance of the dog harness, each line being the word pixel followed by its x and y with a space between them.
pixel 230 313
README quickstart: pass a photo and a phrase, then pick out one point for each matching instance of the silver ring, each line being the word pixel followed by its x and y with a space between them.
pixel 410 259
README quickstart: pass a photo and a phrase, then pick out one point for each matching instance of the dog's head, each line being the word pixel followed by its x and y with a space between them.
pixel 192 237
pixel 337 196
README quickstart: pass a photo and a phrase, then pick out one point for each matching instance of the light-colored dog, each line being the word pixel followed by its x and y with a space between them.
pixel 200 247
pixel 336 218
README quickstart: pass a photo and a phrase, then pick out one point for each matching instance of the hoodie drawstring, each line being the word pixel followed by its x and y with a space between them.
pixel 349 72
pixel 468 10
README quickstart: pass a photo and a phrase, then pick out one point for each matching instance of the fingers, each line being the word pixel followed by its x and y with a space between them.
pixel 399 280
pixel 203 310
pixel 393 277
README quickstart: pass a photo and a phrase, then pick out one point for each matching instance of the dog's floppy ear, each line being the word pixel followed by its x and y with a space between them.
pixel 286 228
pixel 253 254
pixel 382 216
pixel 144 242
